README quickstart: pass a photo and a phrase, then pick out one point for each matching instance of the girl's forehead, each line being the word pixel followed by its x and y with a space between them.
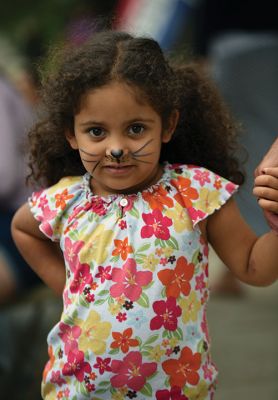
pixel 115 94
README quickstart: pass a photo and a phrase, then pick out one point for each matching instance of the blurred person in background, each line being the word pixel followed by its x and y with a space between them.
pixel 239 41
pixel 16 116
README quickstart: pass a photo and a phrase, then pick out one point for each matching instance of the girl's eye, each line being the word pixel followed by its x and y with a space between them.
pixel 136 129
pixel 96 132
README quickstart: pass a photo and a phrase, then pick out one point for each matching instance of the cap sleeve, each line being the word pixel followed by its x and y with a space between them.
pixel 202 191
pixel 51 206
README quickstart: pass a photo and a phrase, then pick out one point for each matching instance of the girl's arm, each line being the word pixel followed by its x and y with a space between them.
pixel 43 255
pixel 253 260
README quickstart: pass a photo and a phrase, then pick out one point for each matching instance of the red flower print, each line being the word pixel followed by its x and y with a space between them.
pixel 202 176
pixel 156 225
pixel 104 273
pixel 97 206
pixel 217 184
pixel 157 198
pixel 103 365
pixel 76 365
pixel 122 248
pixel 123 340
pixel 121 317
pixel 131 371
pixel 82 277
pixel 122 224
pixel 177 280
pixel 61 199
pixel 173 394
pixel 50 363
pixel 184 369
pixel 69 336
pixel 185 193
pixel 128 281
pixel 71 252
pixel 56 378
pixel 167 314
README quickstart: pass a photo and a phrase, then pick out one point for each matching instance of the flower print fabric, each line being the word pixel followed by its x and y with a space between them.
pixel 134 318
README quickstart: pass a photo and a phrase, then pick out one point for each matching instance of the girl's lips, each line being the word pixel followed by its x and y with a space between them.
pixel 118 169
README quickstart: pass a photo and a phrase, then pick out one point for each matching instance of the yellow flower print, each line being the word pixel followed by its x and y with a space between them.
pixel 118 396
pixel 48 391
pixel 94 333
pixel 168 251
pixel 199 392
pixel 150 262
pixel 208 200
pixel 190 307
pixel 173 342
pixel 156 353
pixel 181 219
pixel 63 183
pixel 96 245
pixel 114 308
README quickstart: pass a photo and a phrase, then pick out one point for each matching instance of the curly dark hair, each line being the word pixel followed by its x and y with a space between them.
pixel 206 134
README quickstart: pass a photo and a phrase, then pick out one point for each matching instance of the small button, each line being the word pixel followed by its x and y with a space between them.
pixel 123 202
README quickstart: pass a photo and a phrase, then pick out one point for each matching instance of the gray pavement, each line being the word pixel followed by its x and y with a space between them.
pixel 244 332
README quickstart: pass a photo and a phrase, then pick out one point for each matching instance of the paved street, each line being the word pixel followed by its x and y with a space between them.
pixel 244 333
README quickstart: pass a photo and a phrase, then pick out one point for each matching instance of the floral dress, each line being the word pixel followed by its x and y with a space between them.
pixel 134 317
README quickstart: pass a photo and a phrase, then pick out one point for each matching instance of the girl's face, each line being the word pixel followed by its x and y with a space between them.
pixel 119 139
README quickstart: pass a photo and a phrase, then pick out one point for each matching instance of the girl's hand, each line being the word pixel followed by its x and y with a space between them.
pixel 266 190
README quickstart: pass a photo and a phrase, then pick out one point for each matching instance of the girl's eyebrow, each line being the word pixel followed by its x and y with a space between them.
pixel 128 122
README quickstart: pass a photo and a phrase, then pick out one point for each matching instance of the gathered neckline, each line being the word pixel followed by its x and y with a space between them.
pixel 164 179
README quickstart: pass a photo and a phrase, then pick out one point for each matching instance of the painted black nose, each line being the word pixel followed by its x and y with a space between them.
pixel 117 153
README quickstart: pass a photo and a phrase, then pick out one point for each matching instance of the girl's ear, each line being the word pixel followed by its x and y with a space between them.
pixel 169 131
pixel 71 139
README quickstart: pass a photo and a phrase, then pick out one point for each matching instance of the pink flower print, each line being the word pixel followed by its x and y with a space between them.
pixel 208 371
pixel 56 378
pixel 231 187
pixel 167 314
pixel 195 215
pixel 66 299
pixel 201 176
pixel 200 283
pixel 122 224
pixel 42 202
pixel 76 365
pixel 156 225
pixel 128 281
pixel 173 394
pixel 69 336
pixel 71 252
pixel 204 327
pixel 131 371
pixel 102 365
pixel 104 273
pixel 47 215
pixel 82 277
pixel 97 206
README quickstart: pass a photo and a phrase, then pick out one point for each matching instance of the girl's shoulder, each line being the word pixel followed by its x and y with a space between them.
pixel 52 205
pixel 199 190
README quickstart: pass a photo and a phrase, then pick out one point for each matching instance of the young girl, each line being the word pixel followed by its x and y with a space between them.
pixel 137 157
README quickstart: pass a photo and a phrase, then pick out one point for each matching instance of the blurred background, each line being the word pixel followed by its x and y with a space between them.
pixel 237 43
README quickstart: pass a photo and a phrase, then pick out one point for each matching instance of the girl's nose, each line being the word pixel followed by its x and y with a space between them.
pixel 117 153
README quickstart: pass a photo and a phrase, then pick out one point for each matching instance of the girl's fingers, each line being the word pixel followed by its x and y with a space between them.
pixel 264 192
pixel 273 171
pixel 268 205
pixel 267 180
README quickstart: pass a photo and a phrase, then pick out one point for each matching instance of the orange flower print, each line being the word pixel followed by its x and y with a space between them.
pixel 122 248
pixel 184 369
pixel 158 198
pixel 185 193
pixel 123 340
pixel 61 199
pixel 49 364
pixel 177 280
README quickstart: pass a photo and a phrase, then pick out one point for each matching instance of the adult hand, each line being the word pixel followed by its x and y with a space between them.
pixel 269 160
